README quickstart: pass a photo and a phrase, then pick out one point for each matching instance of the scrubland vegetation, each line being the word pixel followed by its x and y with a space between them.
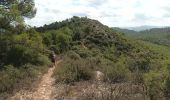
pixel 85 46
pixel 95 47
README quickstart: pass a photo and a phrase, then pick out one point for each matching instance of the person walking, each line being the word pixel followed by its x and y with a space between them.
pixel 53 58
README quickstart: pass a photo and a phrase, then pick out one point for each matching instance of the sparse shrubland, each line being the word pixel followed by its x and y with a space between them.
pixel 86 46
pixel 95 47
pixel 72 70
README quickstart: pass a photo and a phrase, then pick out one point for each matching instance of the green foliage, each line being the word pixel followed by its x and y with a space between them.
pixel 13 13
pixel 21 59
pixel 59 40
pixel 42 60
pixel 87 46
pixel 63 41
pixel 116 72
pixel 167 86
pixel 155 83
pixel 13 78
pixel 72 70
pixel 98 47
pixel 21 49
pixel 73 55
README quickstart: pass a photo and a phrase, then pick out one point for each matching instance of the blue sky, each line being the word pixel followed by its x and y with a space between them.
pixel 114 13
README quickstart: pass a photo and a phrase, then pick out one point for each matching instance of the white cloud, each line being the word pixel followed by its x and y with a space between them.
pixel 110 12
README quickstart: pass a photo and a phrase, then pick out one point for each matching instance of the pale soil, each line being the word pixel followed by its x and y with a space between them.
pixel 44 90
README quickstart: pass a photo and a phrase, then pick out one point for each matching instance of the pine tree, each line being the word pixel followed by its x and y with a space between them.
pixel 13 12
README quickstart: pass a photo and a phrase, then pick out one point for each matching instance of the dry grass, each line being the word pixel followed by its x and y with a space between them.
pixel 90 90
pixel 13 79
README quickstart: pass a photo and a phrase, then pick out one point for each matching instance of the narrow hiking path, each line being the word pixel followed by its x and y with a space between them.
pixel 45 87
pixel 44 90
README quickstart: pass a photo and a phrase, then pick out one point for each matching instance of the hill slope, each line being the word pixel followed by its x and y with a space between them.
pixel 88 46
pixel 142 28
pixel 159 36
pixel 126 32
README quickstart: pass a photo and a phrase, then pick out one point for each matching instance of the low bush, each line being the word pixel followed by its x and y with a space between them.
pixel 116 72
pixel 155 84
pixel 13 79
pixel 43 60
pixel 73 55
pixel 72 70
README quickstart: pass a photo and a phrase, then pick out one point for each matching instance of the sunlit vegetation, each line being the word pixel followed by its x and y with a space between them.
pixel 90 46
pixel 85 46
pixel 23 56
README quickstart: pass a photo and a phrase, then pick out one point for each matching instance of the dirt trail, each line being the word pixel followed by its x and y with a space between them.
pixel 43 92
pixel 45 87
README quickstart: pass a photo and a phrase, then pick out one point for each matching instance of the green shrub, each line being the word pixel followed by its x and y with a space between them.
pixel 73 55
pixel 72 70
pixel 8 78
pixel 20 55
pixel 155 84
pixel 43 60
pixel 20 49
pixel 58 40
pixel 116 72
pixel 167 86
pixel 13 78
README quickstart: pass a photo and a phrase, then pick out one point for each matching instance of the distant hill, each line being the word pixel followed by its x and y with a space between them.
pixel 159 36
pixel 126 32
pixel 142 28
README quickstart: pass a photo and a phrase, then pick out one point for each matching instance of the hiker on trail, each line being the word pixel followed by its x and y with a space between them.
pixel 53 58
